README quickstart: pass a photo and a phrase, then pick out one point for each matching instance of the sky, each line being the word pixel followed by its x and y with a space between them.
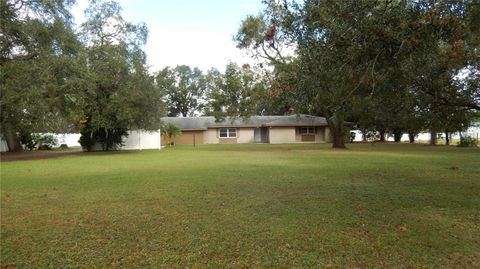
pixel 197 33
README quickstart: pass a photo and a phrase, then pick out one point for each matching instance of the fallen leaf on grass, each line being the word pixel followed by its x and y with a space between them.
pixel 402 228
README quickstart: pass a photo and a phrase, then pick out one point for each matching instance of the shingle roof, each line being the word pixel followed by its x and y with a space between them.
pixel 190 123
pixel 203 123
pixel 298 120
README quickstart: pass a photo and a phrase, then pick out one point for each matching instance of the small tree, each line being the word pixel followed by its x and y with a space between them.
pixel 171 131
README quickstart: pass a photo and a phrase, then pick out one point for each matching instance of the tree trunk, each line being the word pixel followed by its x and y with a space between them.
pixel 338 138
pixel 364 135
pixel 11 136
pixel 106 145
pixel 336 129
pixel 397 136
pixel 382 136
pixel 433 137
pixel 411 137
pixel 447 138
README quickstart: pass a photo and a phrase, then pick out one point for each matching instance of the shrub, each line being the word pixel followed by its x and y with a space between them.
pixel 346 134
pixel 63 146
pixel 29 140
pixel 467 141
pixel 108 138
pixel 46 142
pixel 352 136
pixel 171 131
pixel 41 142
pixel 372 136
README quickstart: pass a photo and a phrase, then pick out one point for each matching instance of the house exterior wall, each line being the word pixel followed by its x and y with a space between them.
pixel 246 135
pixel 328 136
pixel 227 141
pixel 186 138
pixel 280 135
pixel 319 137
pixel 210 136
pixel 277 135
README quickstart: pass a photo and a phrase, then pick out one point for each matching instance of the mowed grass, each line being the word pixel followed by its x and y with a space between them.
pixel 245 206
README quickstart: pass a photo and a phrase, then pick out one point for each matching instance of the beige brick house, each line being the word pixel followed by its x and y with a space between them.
pixel 256 129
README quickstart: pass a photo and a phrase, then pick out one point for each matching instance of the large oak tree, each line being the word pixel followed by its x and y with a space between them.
pixel 37 61
pixel 343 53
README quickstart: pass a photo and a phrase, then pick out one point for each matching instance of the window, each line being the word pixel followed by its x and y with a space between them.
pixel 307 130
pixel 228 133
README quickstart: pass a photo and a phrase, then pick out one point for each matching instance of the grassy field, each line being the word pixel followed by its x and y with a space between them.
pixel 239 206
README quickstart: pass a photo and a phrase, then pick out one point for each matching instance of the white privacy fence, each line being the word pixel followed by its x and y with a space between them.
pixel 136 140
pixel 473 131
pixel 142 140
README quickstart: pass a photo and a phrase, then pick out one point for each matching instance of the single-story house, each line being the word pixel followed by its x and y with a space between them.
pixel 255 129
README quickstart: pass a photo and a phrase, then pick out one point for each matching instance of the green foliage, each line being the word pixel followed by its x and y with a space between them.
pixel 354 59
pixel 37 62
pixel 63 146
pixel 52 82
pixel 32 141
pixel 347 135
pixel 467 141
pixel 183 90
pixel 118 92
pixel 46 141
pixel 29 140
pixel 240 92
pixel 102 139
pixel 352 137
pixel 171 131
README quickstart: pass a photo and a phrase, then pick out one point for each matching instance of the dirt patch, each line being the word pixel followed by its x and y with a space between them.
pixel 36 154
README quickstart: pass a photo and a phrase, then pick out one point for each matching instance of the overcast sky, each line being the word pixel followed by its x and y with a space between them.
pixel 192 32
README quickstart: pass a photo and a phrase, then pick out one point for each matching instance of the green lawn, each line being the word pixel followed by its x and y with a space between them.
pixel 235 206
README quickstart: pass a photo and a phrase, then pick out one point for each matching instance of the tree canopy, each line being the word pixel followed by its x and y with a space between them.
pixel 119 93
pixel 239 92
pixel 37 61
pixel 183 90
pixel 389 66
pixel 55 78
pixel 351 56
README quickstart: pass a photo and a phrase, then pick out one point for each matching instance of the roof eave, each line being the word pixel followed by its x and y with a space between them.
pixel 197 129
pixel 233 126
pixel 295 125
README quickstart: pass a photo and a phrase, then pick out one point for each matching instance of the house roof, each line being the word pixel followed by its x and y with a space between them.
pixel 298 120
pixel 203 123
pixel 190 123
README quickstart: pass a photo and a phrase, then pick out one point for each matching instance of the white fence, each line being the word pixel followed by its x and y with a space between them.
pixel 472 131
pixel 136 140
pixel 3 144
pixel 142 140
